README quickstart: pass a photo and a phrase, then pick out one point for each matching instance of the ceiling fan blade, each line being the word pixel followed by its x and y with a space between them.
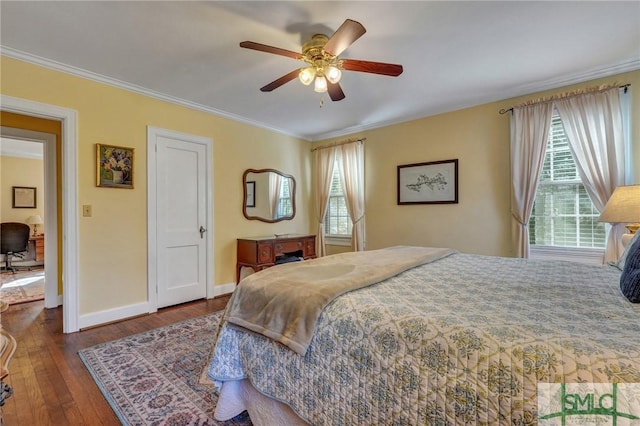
pixel 392 70
pixel 270 49
pixel 344 36
pixel 279 82
pixel 335 91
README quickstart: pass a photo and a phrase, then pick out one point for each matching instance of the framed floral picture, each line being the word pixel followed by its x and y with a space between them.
pixel 435 182
pixel 114 166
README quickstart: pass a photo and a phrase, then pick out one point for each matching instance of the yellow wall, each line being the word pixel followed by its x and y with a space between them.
pixel 16 171
pixel 112 243
pixel 479 138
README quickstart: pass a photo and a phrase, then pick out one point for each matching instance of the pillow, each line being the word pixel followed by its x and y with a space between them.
pixel 630 278
pixel 620 263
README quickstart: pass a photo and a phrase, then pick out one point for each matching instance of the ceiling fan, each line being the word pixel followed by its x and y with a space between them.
pixel 323 64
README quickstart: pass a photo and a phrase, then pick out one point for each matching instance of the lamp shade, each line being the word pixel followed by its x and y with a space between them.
pixel 321 84
pixel 34 220
pixel 623 206
pixel 333 74
pixel 307 75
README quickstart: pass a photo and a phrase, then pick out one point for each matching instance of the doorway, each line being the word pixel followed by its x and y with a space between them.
pixel 67 170
pixel 32 146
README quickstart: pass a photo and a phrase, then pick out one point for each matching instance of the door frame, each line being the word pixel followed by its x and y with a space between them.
pixel 68 117
pixel 152 244
pixel 48 142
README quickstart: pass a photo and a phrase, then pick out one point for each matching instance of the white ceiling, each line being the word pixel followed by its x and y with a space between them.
pixel 455 54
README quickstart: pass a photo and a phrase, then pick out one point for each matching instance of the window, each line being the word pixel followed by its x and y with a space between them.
pixel 337 222
pixel 285 209
pixel 563 214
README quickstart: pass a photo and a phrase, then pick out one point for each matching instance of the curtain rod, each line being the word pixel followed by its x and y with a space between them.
pixel 566 95
pixel 338 143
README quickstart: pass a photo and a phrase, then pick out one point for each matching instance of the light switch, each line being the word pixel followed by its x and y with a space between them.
pixel 86 210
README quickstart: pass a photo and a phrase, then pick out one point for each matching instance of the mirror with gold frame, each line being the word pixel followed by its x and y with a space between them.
pixel 269 195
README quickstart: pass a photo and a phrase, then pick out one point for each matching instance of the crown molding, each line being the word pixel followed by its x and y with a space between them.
pixel 19 143
pixel 539 86
pixel 582 77
pixel 531 88
pixel 89 75
pixel 20 154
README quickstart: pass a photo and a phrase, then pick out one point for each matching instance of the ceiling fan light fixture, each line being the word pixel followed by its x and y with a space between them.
pixel 323 64
pixel 321 84
pixel 333 74
pixel 307 75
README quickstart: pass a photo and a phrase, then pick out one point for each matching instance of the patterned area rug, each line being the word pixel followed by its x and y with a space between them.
pixel 22 287
pixel 156 377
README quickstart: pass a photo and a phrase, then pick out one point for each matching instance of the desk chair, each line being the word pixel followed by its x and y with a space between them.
pixel 14 242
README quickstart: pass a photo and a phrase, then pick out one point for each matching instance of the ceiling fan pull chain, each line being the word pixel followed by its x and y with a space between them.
pixel 321 102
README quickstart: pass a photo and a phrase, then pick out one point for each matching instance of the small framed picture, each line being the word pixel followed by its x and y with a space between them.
pixel 24 197
pixel 435 182
pixel 251 193
pixel 114 166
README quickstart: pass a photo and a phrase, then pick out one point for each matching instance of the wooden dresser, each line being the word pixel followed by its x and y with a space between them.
pixel 262 252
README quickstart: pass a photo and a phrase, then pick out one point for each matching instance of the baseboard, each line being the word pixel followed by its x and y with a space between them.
pixel 59 301
pixel 112 315
pixel 219 290
pixel 125 312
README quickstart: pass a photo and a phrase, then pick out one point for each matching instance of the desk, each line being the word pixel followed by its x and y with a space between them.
pixel 36 246
pixel 262 252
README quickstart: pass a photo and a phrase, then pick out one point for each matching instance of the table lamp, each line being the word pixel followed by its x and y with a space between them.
pixel 624 207
pixel 35 220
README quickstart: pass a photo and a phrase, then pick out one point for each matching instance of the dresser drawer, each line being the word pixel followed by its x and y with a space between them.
pixel 288 247
pixel 265 253
pixel 310 247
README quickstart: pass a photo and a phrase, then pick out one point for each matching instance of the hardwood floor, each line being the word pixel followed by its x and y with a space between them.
pixel 51 385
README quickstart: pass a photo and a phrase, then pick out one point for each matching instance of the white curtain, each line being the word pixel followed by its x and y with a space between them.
pixel 353 177
pixel 275 187
pixel 593 124
pixel 323 161
pixel 530 126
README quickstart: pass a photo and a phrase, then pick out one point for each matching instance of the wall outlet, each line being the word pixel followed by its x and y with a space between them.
pixel 86 210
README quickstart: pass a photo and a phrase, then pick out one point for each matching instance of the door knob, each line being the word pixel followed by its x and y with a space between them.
pixel 202 231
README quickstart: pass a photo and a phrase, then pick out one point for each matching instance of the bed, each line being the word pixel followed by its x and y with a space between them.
pixel 456 339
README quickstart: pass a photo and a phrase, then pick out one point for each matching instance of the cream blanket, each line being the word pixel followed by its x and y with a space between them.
pixel 285 301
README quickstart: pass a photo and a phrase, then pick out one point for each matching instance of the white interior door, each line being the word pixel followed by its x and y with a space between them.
pixel 181 230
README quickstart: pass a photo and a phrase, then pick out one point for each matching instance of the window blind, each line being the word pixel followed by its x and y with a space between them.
pixel 285 208
pixel 337 221
pixel 563 214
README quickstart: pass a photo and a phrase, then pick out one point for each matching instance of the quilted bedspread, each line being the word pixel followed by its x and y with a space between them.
pixel 462 340
pixel 284 303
